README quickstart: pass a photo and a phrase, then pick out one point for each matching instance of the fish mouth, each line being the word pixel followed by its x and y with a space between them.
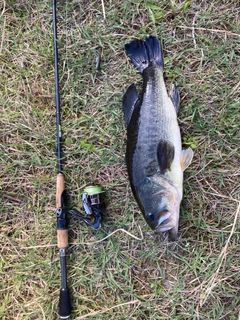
pixel 165 223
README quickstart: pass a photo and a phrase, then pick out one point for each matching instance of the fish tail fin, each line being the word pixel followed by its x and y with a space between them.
pixel 146 53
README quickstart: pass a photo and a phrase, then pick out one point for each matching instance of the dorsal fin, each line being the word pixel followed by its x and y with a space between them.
pixel 175 97
pixel 128 103
pixel 165 155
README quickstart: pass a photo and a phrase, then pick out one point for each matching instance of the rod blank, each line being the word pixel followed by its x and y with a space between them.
pixel 62 232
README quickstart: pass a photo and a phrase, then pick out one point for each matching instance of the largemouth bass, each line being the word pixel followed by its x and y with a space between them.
pixel 154 156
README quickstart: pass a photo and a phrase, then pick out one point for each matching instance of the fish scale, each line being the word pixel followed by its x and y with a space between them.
pixel 155 124
pixel 158 105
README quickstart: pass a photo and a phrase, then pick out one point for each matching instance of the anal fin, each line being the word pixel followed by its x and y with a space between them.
pixel 186 158
pixel 175 97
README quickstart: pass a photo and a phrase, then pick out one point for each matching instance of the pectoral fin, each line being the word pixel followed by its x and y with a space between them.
pixel 128 103
pixel 165 155
pixel 186 158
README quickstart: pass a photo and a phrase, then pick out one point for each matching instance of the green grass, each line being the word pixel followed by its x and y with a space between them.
pixel 118 277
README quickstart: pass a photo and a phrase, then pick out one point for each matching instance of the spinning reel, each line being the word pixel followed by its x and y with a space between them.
pixel 92 200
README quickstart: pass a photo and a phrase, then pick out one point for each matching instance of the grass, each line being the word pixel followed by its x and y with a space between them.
pixel 122 271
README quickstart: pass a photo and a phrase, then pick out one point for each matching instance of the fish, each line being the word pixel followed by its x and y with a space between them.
pixel 154 156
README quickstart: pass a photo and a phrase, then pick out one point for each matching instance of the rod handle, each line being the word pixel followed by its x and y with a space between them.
pixel 59 189
pixel 64 304
pixel 62 234
pixel 62 239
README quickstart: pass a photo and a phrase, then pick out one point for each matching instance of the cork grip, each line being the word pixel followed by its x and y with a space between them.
pixel 62 238
pixel 60 188
pixel 62 235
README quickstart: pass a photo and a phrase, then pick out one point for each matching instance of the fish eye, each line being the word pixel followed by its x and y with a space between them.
pixel 150 216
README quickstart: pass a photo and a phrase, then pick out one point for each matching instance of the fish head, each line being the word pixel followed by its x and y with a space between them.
pixel 160 201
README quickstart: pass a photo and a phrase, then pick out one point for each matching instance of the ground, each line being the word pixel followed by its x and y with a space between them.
pixel 123 270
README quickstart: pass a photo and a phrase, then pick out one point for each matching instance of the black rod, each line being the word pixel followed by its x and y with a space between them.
pixel 63 269
pixel 62 231
pixel 57 97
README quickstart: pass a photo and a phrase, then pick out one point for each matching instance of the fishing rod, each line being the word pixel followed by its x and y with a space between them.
pixel 61 212
pixel 91 199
